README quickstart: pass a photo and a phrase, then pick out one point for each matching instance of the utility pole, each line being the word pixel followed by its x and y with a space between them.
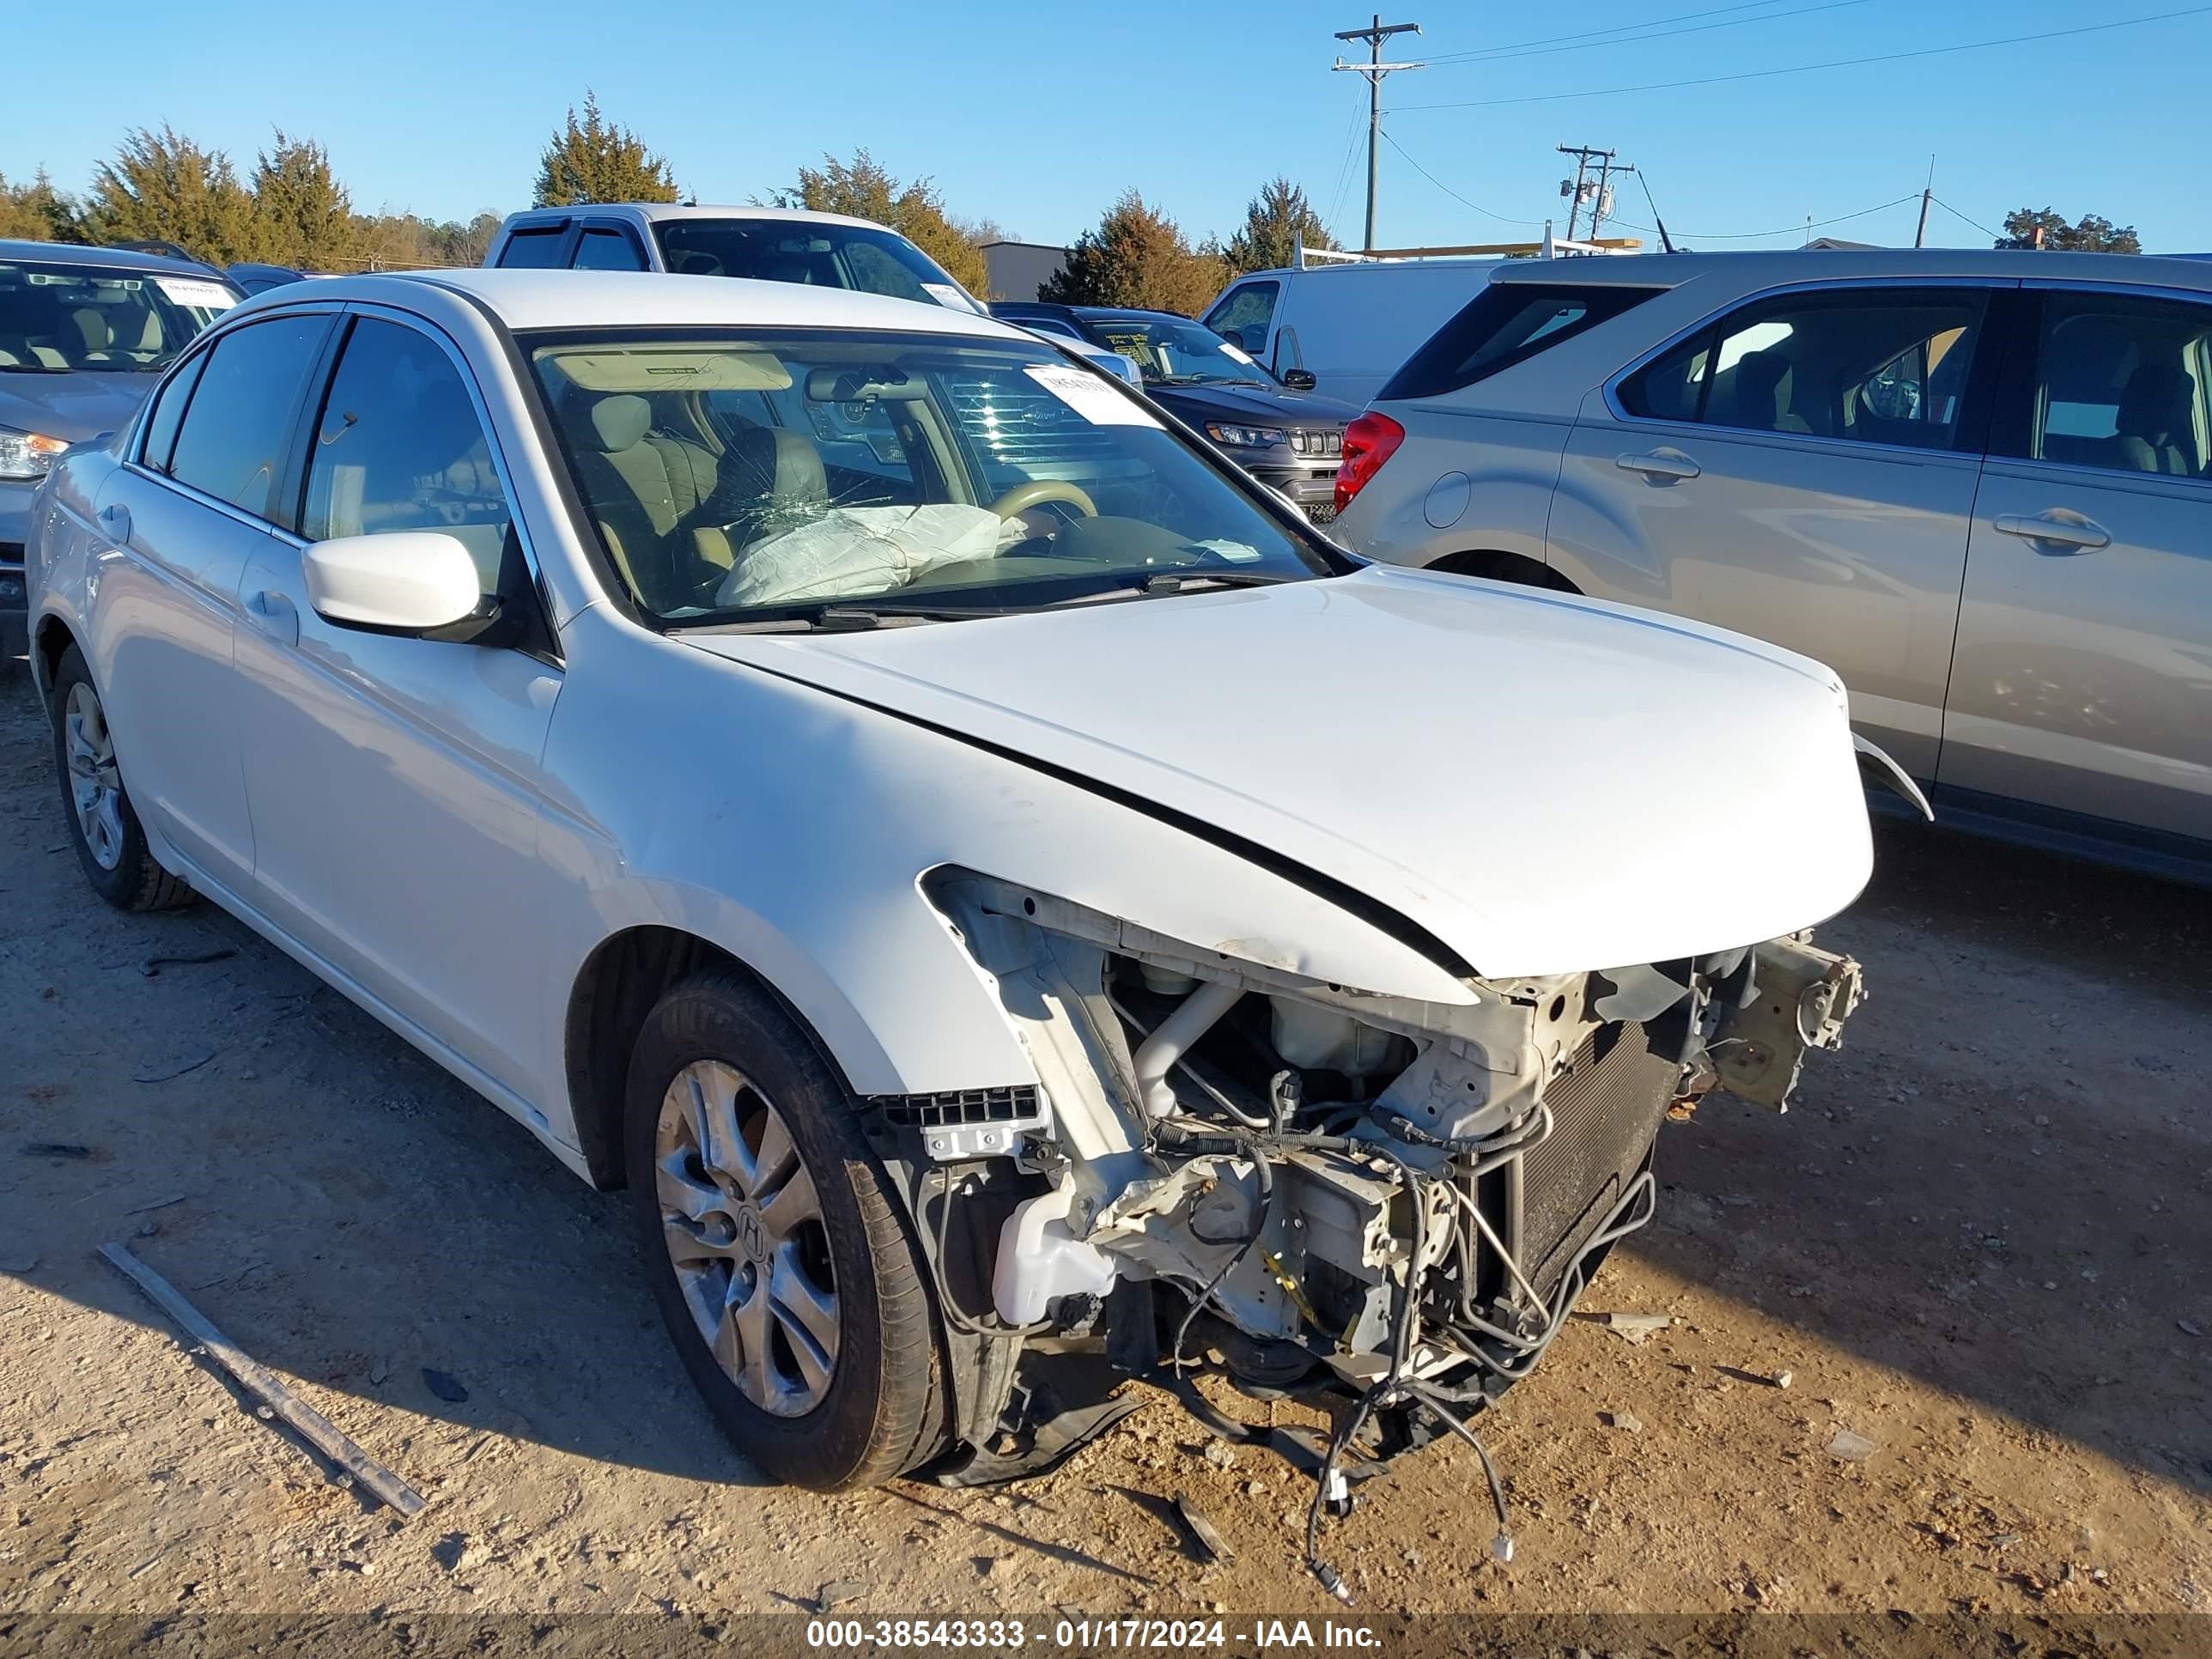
pixel 1920 236
pixel 1578 189
pixel 1375 69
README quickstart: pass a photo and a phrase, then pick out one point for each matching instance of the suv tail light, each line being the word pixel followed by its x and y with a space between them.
pixel 1368 442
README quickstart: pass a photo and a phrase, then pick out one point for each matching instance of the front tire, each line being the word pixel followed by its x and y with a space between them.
pixel 104 827
pixel 783 1268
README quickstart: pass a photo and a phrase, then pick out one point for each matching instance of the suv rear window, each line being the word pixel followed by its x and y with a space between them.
pixel 1506 324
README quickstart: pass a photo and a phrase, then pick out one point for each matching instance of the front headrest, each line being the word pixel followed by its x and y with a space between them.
pixel 92 328
pixel 620 421
pixel 2155 403
pixel 784 466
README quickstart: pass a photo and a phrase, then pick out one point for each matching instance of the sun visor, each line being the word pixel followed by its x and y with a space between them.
pixel 645 368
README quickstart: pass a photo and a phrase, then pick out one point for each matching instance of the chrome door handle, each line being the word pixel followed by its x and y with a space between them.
pixel 115 520
pixel 2073 531
pixel 1659 464
pixel 275 616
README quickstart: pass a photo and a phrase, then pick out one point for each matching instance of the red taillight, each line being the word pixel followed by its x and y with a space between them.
pixel 1368 442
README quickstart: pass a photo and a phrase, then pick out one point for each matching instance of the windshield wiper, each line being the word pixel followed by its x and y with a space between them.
pixel 854 618
pixel 1176 581
pixel 31 369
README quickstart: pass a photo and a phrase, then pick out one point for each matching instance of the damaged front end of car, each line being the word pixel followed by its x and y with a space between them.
pixel 1385 1204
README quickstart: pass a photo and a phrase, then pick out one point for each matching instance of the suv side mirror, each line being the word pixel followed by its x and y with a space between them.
pixel 408 582
pixel 1299 379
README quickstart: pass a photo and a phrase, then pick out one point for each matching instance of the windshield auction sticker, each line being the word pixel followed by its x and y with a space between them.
pixel 1090 397
pixel 195 293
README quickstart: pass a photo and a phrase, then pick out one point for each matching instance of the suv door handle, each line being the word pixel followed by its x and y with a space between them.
pixel 2057 527
pixel 1659 464
pixel 275 616
pixel 115 520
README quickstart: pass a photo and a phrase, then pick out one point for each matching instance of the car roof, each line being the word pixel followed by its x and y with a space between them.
pixel 526 299
pixel 117 259
pixel 1134 313
pixel 654 212
pixel 1774 267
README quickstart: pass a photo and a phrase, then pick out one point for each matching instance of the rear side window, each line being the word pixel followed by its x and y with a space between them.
pixel 1870 366
pixel 232 442
pixel 607 250
pixel 1508 323
pixel 534 248
pixel 168 413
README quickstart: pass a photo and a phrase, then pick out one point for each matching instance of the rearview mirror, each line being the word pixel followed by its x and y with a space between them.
pixel 410 582
pixel 1299 379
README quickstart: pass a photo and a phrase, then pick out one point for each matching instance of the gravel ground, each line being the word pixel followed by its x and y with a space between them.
pixel 1980 1246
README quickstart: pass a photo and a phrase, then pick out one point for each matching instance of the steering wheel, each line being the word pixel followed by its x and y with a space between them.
pixel 1036 491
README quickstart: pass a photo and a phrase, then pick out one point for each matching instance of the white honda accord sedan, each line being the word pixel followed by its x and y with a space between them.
pixel 1017 907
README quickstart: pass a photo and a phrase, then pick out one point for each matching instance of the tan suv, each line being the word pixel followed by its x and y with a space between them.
pixel 1976 484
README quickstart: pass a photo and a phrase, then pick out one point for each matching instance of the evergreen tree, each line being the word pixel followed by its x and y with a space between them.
pixel 863 188
pixel 596 160
pixel 37 212
pixel 302 214
pixel 163 187
pixel 1277 221
pixel 1137 257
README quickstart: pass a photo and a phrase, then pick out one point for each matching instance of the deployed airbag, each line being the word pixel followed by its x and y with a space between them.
pixel 849 551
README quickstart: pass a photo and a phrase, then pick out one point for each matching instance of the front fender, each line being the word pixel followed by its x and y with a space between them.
pixel 791 827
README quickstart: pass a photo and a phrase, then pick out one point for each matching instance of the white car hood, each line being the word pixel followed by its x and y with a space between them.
pixel 1544 783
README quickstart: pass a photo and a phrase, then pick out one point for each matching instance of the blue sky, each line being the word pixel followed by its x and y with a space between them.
pixel 1037 115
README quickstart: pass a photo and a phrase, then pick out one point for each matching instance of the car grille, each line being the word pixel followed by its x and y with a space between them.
pixel 1604 1114
pixel 1322 512
pixel 1325 444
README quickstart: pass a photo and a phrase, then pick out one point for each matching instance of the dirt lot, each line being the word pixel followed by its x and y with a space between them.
pixel 1981 1243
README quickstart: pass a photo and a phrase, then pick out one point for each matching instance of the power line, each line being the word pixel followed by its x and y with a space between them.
pixel 1618 28
pixel 1956 213
pixel 1448 191
pixel 1785 230
pixel 1806 69
pixel 1499 55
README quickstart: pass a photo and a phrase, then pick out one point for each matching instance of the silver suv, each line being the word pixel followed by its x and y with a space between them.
pixel 1976 484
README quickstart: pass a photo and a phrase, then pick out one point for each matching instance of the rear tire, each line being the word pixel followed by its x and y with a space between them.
pixel 104 827
pixel 779 1257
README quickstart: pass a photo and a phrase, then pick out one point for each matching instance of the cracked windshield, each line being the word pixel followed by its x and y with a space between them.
pixel 775 477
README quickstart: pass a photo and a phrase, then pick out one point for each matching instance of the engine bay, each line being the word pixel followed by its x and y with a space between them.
pixel 1383 1206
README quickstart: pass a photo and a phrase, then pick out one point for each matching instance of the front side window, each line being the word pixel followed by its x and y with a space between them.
pixel 857 257
pixel 398 446
pixel 1242 314
pixel 534 247
pixel 61 317
pixel 231 444
pixel 1886 366
pixel 1506 324
pixel 2123 383
pixel 778 476
pixel 601 249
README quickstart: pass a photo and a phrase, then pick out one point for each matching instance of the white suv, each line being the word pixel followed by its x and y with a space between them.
pixel 772 245
pixel 1975 483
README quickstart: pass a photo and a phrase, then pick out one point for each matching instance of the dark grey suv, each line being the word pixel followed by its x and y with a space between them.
pixel 84 333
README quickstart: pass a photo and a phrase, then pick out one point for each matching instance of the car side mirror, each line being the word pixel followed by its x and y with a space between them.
pixel 410 581
pixel 1299 379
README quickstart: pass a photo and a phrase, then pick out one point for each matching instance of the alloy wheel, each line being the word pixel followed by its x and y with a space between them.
pixel 95 786
pixel 745 1235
